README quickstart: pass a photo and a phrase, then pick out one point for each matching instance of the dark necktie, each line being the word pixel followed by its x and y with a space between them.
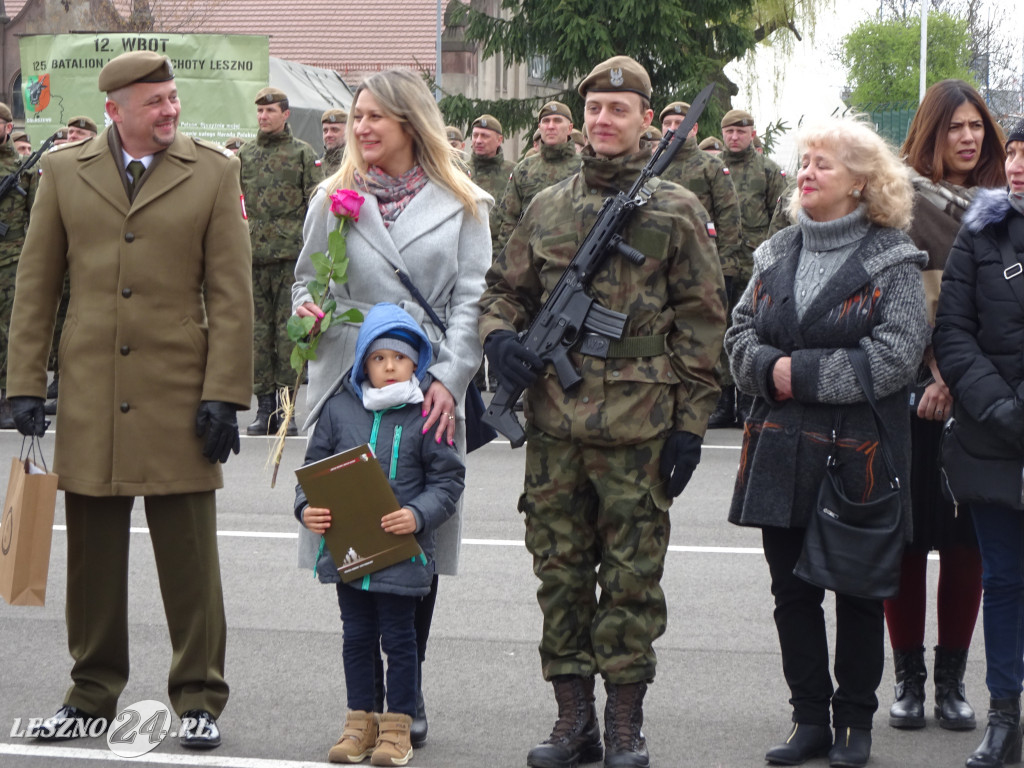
pixel 135 170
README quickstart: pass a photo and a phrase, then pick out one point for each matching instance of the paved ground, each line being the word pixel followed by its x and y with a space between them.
pixel 719 698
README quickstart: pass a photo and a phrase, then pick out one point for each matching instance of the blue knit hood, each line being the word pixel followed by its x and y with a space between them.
pixel 384 318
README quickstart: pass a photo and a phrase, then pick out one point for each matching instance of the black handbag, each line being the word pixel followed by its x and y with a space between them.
pixel 967 477
pixel 477 433
pixel 855 548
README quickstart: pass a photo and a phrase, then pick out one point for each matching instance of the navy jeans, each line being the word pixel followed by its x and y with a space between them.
pixel 369 617
pixel 1001 540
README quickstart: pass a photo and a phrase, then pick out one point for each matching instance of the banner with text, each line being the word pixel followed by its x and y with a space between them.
pixel 217 78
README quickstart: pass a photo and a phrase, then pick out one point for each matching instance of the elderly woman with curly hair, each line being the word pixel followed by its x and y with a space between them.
pixel 846 277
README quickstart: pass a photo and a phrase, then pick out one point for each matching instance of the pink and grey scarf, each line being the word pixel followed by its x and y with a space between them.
pixel 393 194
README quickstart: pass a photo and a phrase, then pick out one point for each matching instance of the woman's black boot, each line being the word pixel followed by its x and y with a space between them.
pixel 418 731
pixel 908 709
pixel 951 707
pixel 803 743
pixel 852 748
pixel 1001 743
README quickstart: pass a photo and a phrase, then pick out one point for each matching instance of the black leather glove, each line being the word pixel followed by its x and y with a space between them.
pixel 219 422
pixel 29 415
pixel 679 457
pixel 514 365
pixel 1005 417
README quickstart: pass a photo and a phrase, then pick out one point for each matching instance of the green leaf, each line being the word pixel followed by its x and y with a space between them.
pixel 299 328
pixel 325 321
pixel 352 315
pixel 321 263
pixel 297 361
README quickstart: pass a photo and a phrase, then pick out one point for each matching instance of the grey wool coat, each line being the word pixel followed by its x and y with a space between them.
pixel 445 252
pixel 874 301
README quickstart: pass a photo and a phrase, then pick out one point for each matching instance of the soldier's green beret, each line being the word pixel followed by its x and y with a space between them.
pixel 490 122
pixel 578 137
pixel 84 123
pixel 135 67
pixel 737 117
pixel 5 113
pixel 20 136
pixel 651 134
pixel 234 143
pixel 619 73
pixel 675 108
pixel 555 108
pixel 711 143
pixel 454 134
pixel 334 116
pixel 61 133
pixel 271 95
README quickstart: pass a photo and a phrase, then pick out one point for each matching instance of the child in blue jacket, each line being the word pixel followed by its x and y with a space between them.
pixel 377 403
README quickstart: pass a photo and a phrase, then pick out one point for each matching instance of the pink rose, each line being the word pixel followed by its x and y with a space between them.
pixel 345 204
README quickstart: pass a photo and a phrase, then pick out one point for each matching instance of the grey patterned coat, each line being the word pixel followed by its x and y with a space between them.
pixel 875 301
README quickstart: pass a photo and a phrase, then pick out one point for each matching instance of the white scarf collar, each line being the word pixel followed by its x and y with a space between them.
pixel 399 393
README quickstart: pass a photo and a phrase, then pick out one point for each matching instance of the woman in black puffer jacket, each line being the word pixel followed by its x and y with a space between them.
pixel 979 346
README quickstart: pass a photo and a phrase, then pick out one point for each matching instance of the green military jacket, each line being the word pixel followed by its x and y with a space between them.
pixel 708 178
pixel 15 207
pixel 491 174
pixel 532 174
pixel 759 184
pixel 279 174
pixel 330 162
pixel 676 298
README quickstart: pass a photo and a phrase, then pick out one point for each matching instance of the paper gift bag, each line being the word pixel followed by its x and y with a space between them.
pixel 25 533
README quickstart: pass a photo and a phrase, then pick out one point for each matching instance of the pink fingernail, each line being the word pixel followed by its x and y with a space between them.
pixel 438 440
pixel 424 415
pixel 320 314
pixel 424 431
pixel 450 441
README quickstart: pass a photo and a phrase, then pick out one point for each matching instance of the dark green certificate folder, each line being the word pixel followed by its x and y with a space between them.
pixel 353 486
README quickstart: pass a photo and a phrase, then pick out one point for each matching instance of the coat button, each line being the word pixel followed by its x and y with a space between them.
pixel 125 407
pixel 125 350
pixel 585 399
pixel 127 293
pixel 129 237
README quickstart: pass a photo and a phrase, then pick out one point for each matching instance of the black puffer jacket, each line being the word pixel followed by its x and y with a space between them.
pixel 979 328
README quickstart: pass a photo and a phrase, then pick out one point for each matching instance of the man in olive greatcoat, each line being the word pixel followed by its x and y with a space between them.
pixel 156 360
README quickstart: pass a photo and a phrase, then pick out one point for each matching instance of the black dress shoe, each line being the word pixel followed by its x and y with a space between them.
pixel 199 730
pixel 68 723
pixel 803 743
pixel 852 748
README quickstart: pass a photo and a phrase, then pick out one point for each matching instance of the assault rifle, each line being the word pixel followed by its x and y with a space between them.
pixel 12 181
pixel 570 315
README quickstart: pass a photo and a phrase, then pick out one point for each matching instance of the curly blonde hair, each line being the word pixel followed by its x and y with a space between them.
pixel 888 193
pixel 403 96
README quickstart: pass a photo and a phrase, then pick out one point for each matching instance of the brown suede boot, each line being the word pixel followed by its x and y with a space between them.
pixel 576 737
pixel 394 745
pixel 357 740
pixel 624 740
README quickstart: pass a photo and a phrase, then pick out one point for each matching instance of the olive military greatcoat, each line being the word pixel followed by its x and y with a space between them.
pixel 141 348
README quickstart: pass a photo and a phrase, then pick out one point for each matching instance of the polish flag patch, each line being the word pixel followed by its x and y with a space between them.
pixel 725 171
pixel 241 198
pixel 712 232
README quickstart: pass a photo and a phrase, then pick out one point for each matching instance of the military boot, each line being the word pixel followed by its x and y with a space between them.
pixel 907 711
pixel 624 741
pixel 418 731
pixel 265 406
pixel 724 415
pixel 576 737
pixel 6 419
pixel 1002 741
pixel 952 710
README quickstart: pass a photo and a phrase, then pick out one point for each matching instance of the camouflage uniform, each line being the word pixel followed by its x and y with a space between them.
pixel 780 218
pixel 491 174
pixel 532 174
pixel 279 173
pixel 596 510
pixel 759 184
pixel 330 162
pixel 14 211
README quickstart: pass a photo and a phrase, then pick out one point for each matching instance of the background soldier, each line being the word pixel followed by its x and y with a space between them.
pixel 158 365
pixel 14 210
pixel 712 146
pixel 556 160
pixel 708 178
pixel 650 138
pixel 488 167
pixel 81 128
pixel 22 143
pixel 759 184
pixel 604 460
pixel 578 139
pixel 333 122
pixel 279 173
pixel 234 144
pixel 455 137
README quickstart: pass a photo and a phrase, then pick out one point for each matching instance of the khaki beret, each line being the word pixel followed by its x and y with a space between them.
pixel 61 133
pixel 555 108
pixel 578 137
pixel 536 135
pixel 5 113
pixel 619 73
pixel 490 122
pixel 271 95
pixel 675 108
pixel 83 122
pixel 454 134
pixel 737 117
pixel 334 116
pixel 234 143
pixel 135 67
pixel 711 143
pixel 651 134
pixel 20 136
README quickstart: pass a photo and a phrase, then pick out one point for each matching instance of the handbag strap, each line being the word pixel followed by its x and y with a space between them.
pixel 862 370
pixel 420 299
pixel 1012 268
